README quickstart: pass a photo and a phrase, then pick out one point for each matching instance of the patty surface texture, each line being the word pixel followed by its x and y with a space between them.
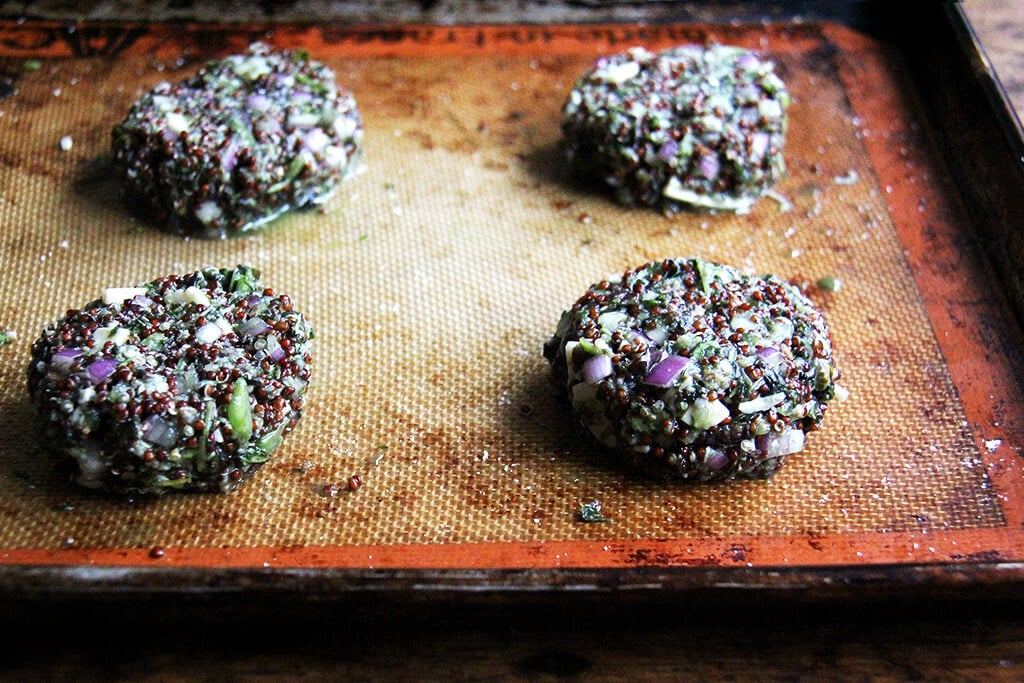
pixel 689 369
pixel 186 383
pixel 245 139
pixel 688 127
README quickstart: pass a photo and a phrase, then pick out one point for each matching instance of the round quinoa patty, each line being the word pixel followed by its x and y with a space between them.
pixel 690 126
pixel 186 383
pixel 692 370
pixel 247 138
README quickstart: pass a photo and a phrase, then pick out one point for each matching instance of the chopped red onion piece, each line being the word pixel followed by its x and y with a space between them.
pixel 666 372
pixel 636 335
pixel 229 157
pixel 776 445
pixel 747 61
pixel 253 327
pixel 716 459
pixel 597 368
pixel 759 144
pixel 771 356
pixel 747 93
pixel 277 354
pixel 668 150
pixel 159 431
pixel 142 301
pixel 258 102
pixel 315 140
pixel 270 126
pixel 101 369
pixel 65 358
pixel 709 166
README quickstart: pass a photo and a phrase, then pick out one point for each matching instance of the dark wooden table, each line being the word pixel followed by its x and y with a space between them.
pixel 933 639
pixel 823 642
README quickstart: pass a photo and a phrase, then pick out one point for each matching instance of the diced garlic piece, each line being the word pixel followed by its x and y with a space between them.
pixel 674 190
pixel 704 414
pixel 250 67
pixel 208 211
pixel 618 73
pixel 760 403
pixel 188 295
pixel 176 123
pixel 118 295
pixel 112 333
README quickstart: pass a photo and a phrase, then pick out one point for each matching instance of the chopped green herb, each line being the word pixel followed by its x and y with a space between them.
pixel 240 412
pixel 5 336
pixel 31 65
pixel 244 280
pixel 314 85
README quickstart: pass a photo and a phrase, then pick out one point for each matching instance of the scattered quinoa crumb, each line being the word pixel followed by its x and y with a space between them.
pixel 849 179
pixel 591 513
pixel 830 284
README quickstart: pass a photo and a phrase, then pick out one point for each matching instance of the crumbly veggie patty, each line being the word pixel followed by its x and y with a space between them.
pixel 692 370
pixel 186 383
pixel 245 139
pixel 690 126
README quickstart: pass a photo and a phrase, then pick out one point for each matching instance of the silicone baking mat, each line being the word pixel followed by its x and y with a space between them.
pixel 434 276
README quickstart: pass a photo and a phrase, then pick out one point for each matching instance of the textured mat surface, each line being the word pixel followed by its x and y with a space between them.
pixel 433 278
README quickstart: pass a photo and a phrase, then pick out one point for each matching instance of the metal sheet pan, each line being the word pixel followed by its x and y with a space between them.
pixel 472 472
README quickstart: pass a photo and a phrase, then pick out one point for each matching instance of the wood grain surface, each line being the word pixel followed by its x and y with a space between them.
pixel 999 25
pixel 778 645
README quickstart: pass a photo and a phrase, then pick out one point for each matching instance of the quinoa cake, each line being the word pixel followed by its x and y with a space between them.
pixel 245 139
pixel 186 383
pixel 688 369
pixel 688 127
